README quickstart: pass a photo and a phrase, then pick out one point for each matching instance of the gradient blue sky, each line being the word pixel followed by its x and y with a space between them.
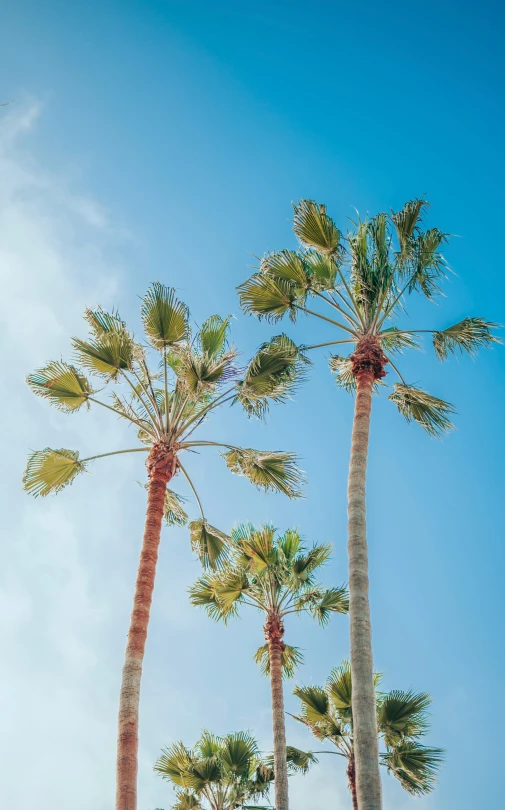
pixel 166 140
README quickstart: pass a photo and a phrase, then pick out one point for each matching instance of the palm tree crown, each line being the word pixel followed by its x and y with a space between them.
pixel 401 721
pixel 166 402
pixel 364 279
pixel 275 575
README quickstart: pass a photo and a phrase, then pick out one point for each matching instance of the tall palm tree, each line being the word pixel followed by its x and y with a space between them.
pixel 275 575
pixel 402 721
pixel 166 402
pixel 363 281
pixel 222 773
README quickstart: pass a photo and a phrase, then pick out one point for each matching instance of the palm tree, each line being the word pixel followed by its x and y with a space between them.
pixel 165 402
pixel 364 279
pixel 401 721
pixel 222 773
pixel 275 575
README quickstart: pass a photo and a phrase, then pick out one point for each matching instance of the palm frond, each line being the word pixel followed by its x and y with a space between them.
pixel 286 265
pixel 238 751
pixel 315 229
pixel 469 335
pixel 208 543
pixel 322 271
pixel 173 511
pixel 186 800
pixel 314 702
pixel 62 384
pixel 406 223
pixel 272 471
pixel 394 340
pixel 299 761
pixel 203 594
pixel 333 600
pixel 291 658
pixel 273 374
pixel 419 406
pixel 414 765
pixel 341 367
pixel 201 373
pixel 402 714
pixel 269 298
pixel 175 764
pixel 339 686
pixel 212 337
pixel 428 263
pixel 164 317
pixel 107 355
pixel 103 323
pixel 304 564
pixel 51 470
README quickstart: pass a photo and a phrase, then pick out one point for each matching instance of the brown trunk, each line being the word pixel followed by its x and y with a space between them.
pixel 351 776
pixel 368 366
pixel 161 466
pixel 274 631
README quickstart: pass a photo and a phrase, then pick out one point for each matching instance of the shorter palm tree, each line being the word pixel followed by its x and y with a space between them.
pixel 276 576
pixel 222 773
pixel 401 722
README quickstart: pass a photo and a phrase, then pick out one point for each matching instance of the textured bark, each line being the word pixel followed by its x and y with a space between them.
pixel 274 631
pixel 351 776
pixel 161 466
pixel 368 366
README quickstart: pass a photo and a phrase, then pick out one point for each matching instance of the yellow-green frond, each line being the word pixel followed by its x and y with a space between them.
pixel 103 323
pixel 107 355
pixel 394 340
pixel 62 384
pixel 208 543
pixel 164 317
pixel 268 297
pixel 273 373
pixel 469 335
pixel 212 337
pixel 286 265
pixel 419 406
pixel 268 470
pixel 291 658
pixel 314 228
pixel 407 223
pixel 51 470
pixel 314 702
pixel 173 510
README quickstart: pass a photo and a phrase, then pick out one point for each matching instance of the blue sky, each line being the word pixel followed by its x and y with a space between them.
pixel 166 140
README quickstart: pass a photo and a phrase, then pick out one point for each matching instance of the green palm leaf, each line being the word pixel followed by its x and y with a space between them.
pixel 333 600
pixel 51 470
pixel 322 271
pixel 238 751
pixel 173 511
pixel 201 373
pixel 103 323
pixel 339 686
pixel 213 334
pixel 393 340
pixel 402 714
pixel 341 367
pixel 466 336
pixel 286 265
pixel 62 384
pixel 108 355
pixel 415 766
pixel 208 543
pixel 272 374
pixel 299 761
pixel 268 297
pixel 407 223
pixel 314 702
pixel 419 406
pixel 291 658
pixel 314 228
pixel 268 470
pixel 164 317
pixel 428 262
pixel 186 801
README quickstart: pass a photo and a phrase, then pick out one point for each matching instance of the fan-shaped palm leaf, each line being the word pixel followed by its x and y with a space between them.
pixel 468 335
pixel 212 337
pixel 272 374
pixel 314 228
pixel 103 323
pixel 164 317
pixel 208 543
pixel 51 470
pixel 267 470
pixel 414 765
pixel 106 356
pixel 291 658
pixel 268 297
pixel 314 702
pixel 419 406
pixel 174 513
pixel 402 714
pixel 62 384
pixel 393 340
pixel 286 265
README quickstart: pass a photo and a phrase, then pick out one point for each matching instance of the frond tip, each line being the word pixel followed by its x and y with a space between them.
pixel 268 470
pixel 468 336
pixel 419 406
pixel 51 470
pixel 208 543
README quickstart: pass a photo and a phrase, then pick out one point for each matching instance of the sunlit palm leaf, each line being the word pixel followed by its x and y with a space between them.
pixel 257 549
pixel 201 373
pixel 208 543
pixel 238 751
pixel 268 297
pixel 394 341
pixel 51 470
pixel 273 373
pixel 173 511
pixel 267 470
pixel 186 801
pixel 291 658
pixel 164 317
pixel 402 714
pixel 213 334
pixel 108 355
pixel 341 367
pixel 175 764
pixel 322 271
pixel 418 406
pixel 466 336
pixel 314 228
pixel 429 265
pixel 103 323
pixel 305 564
pixel 314 702
pixel 415 766
pixel 333 600
pixel 62 384
pixel 299 761
pixel 339 686
pixel 407 223
pixel 286 265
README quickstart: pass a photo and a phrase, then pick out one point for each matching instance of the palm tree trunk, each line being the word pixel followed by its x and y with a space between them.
pixel 274 631
pixel 366 744
pixel 161 466
pixel 351 776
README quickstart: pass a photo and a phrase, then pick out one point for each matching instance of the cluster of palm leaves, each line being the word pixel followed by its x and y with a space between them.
pixel 166 386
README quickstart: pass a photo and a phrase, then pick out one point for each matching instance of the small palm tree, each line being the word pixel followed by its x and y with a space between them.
pixel 401 721
pixel 165 402
pixel 363 281
pixel 275 575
